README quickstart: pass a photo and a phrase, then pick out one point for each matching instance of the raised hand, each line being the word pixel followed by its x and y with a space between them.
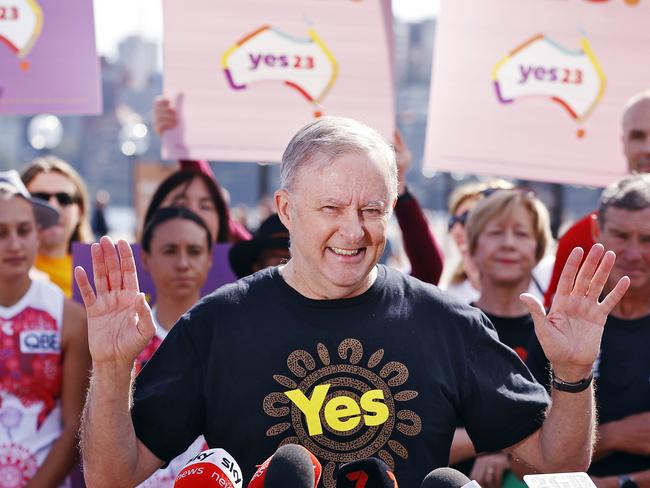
pixel 570 333
pixel 165 117
pixel 120 323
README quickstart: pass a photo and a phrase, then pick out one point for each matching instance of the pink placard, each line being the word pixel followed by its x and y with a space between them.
pixel 246 75
pixel 535 89
pixel 48 61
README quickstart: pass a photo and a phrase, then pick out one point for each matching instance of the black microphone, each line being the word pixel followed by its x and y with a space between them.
pixel 447 478
pixel 290 466
pixel 368 472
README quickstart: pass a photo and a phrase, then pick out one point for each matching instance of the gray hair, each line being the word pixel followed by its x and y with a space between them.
pixel 325 139
pixel 631 192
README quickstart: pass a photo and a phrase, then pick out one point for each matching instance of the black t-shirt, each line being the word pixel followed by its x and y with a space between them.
pixel 514 332
pixel 387 373
pixel 622 378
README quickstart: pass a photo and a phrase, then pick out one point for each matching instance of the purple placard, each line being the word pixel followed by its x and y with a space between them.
pixel 219 274
pixel 48 60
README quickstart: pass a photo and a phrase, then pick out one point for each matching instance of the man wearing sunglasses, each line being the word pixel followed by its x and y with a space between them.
pixel 57 183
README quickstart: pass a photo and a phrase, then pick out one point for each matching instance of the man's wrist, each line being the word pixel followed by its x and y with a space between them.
pixel 112 373
pixel 571 374
pixel 570 385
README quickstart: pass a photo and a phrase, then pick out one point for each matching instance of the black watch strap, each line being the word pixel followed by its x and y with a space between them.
pixel 577 387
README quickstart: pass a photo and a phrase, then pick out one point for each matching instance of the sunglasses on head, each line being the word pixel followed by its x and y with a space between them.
pixel 64 199
pixel 457 219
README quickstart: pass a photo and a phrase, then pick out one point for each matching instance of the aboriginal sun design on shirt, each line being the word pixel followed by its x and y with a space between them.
pixel 339 404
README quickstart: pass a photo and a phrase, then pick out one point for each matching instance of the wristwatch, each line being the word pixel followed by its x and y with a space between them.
pixel 626 481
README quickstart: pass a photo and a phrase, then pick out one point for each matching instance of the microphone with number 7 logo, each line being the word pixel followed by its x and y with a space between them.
pixel 366 473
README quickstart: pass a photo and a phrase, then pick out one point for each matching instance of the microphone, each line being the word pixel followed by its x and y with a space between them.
pixel 369 473
pixel 291 466
pixel 209 469
pixel 448 478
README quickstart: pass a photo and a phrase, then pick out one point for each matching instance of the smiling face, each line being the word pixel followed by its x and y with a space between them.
pixel 178 260
pixel 18 238
pixel 337 214
pixel 506 249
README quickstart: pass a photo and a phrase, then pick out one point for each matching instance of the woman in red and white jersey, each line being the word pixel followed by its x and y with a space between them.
pixel 44 358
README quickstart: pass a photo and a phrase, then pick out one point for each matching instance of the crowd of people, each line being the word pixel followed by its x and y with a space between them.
pixel 317 343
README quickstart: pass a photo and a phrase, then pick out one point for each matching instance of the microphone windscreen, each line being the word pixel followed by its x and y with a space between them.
pixel 445 478
pixel 368 472
pixel 292 466
pixel 214 467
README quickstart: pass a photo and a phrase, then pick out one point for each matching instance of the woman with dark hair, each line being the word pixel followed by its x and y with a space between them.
pixel 200 193
pixel 176 251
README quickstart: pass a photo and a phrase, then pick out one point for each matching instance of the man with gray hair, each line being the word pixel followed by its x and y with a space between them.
pixel 622 370
pixel 347 357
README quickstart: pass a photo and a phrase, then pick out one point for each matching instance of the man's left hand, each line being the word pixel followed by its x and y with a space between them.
pixel 571 331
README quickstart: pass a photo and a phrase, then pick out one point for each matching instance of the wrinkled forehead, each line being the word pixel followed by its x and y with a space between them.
pixel 627 219
pixel 371 160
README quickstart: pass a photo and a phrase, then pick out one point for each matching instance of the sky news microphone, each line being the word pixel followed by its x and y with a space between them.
pixel 291 466
pixel 369 473
pixel 448 478
pixel 213 468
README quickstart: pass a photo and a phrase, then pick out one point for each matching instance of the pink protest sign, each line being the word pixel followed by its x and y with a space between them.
pixel 48 61
pixel 535 89
pixel 245 76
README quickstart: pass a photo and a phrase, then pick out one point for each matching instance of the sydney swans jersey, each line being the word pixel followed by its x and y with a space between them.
pixel 30 381
pixel 388 373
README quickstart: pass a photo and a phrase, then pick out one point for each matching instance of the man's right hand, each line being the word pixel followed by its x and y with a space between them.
pixel 630 434
pixel 120 324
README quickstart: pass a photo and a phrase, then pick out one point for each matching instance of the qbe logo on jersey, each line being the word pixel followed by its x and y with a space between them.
pixel 40 342
pixel 214 467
